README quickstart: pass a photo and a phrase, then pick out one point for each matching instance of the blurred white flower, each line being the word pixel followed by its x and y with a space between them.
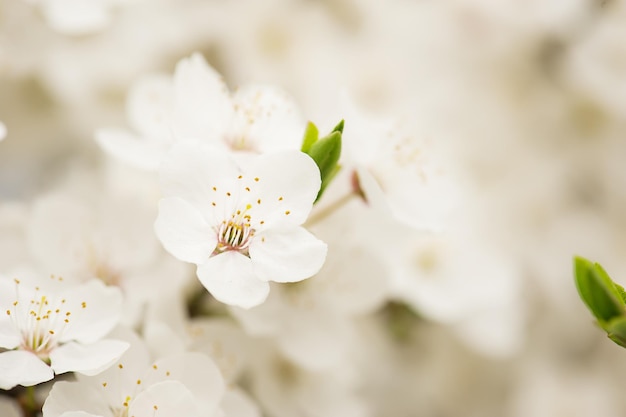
pixel 285 390
pixel 184 384
pixel 50 330
pixel 396 171
pixel 240 224
pixel 9 407
pixel 312 322
pixel 195 104
pixel 110 239
pixel 3 131
pixel 78 17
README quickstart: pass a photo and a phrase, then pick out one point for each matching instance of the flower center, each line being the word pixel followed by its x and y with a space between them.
pixel 234 236
pixel 236 233
pixel 40 320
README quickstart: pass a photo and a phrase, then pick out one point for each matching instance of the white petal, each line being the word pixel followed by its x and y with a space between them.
pixel 9 336
pixel 191 170
pixel 133 150
pixel 18 367
pixel 183 231
pixel 95 310
pixel 229 277
pixel 196 371
pixel 286 254
pixel 288 183
pixel 58 232
pixel 149 106
pixel 237 404
pixel 76 17
pixel 87 359
pixel 203 105
pixel 169 398
pixel 74 399
pixel 267 119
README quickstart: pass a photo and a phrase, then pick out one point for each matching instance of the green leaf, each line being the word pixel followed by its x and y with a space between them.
pixel 339 127
pixel 597 291
pixel 311 135
pixel 616 330
pixel 326 152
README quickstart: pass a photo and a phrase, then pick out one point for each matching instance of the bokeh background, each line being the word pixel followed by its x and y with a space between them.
pixel 527 96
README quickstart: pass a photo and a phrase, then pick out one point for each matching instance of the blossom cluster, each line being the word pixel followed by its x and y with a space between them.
pixel 288 208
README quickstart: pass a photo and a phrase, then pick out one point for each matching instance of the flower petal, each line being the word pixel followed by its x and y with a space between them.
pixel 9 336
pixel 191 170
pixel 288 254
pixel 149 106
pixel 18 367
pixel 66 398
pixel 183 231
pixel 170 398
pixel 267 119
pixel 133 150
pixel 196 371
pixel 203 104
pixel 95 310
pixel 229 277
pixel 288 183
pixel 87 359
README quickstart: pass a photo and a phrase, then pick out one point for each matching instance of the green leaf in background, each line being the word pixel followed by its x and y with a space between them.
pixel 325 152
pixel 598 291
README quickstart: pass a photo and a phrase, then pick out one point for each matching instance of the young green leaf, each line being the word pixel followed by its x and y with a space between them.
pixel 597 290
pixel 326 152
pixel 616 330
pixel 311 135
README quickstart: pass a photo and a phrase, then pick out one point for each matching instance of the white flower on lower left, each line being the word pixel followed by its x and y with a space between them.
pixel 52 329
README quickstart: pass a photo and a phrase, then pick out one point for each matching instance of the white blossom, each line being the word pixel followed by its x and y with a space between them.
pixel 240 224
pixel 110 239
pixel 48 330
pixel 399 172
pixel 184 384
pixel 195 104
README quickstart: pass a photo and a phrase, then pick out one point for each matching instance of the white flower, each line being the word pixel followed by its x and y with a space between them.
pixel 3 131
pixel 196 104
pixel 110 239
pixel 240 225
pixel 185 384
pixel 50 331
pixel 398 172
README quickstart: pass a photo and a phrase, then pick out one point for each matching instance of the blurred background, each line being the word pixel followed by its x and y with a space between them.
pixel 528 97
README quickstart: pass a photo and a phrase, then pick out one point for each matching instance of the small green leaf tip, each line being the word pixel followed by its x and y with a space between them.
pixel 597 290
pixel 339 127
pixel 311 135
pixel 325 152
